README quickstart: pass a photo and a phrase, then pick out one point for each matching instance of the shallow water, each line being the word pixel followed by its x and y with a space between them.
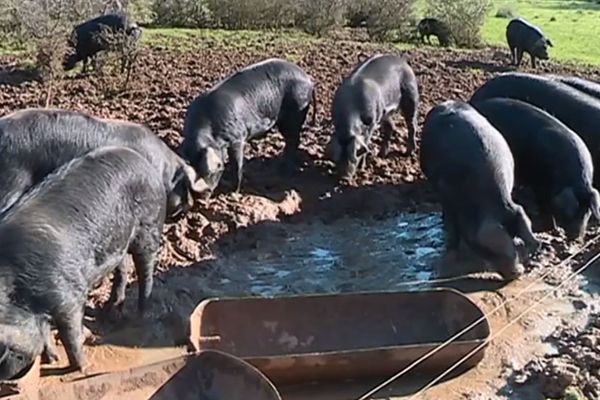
pixel 349 256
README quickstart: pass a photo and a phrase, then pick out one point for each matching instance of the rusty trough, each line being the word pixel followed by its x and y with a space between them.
pixel 207 375
pixel 301 339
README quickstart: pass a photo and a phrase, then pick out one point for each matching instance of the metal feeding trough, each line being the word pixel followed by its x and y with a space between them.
pixel 208 375
pixel 301 339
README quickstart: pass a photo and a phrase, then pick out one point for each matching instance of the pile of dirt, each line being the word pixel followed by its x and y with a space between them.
pixel 575 366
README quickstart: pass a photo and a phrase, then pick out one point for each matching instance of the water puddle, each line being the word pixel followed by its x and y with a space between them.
pixel 348 256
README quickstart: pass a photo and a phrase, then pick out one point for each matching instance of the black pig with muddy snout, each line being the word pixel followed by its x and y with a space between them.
pixel 583 85
pixel 524 37
pixel 366 101
pixel 62 238
pixel 35 142
pixel 574 108
pixel 90 38
pixel 470 165
pixel 550 158
pixel 245 105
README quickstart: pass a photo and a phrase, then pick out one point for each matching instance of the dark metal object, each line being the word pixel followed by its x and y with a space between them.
pixel 296 340
pixel 208 375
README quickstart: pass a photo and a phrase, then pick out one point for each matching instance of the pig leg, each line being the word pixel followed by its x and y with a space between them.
pixel 513 55
pixel 409 110
pixel 119 284
pixel 84 65
pixel 49 354
pixel 523 230
pixel 70 330
pixel 533 61
pixel 144 251
pixel 387 130
pixel 144 266
pixel 290 125
pixel 519 57
pixel 237 150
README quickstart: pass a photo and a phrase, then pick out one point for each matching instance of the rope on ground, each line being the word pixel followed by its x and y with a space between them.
pixel 415 363
pixel 508 325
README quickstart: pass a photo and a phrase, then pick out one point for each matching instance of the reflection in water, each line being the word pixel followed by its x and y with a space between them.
pixel 350 255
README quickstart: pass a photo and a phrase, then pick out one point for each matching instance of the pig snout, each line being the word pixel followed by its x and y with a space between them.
pixel 499 249
pixel 349 155
pixel 209 166
pixel 570 214
pixel 13 363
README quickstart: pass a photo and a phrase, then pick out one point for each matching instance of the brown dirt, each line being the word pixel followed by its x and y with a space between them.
pixel 168 79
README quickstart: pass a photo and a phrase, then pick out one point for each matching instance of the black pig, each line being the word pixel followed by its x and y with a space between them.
pixel 246 104
pixel 365 101
pixel 583 85
pixel 89 38
pixel 522 37
pixel 472 169
pixel 35 142
pixel 575 109
pixel 550 158
pixel 63 237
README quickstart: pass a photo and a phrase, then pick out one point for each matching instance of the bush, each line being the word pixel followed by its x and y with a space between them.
pixel 181 13
pixel 251 14
pixel 357 13
pixel 505 12
pixel 47 24
pixel 464 18
pixel 388 17
pixel 142 11
pixel 318 16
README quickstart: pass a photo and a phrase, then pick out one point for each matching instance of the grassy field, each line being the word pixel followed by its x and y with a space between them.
pixel 573 26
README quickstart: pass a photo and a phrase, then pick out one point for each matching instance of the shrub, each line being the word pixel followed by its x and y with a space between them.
pixel 251 14
pixel 142 11
pixel 318 16
pixel 389 17
pixel 464 18
pixel 357 13
pixel 505 12
pixel 46 25
pixel 181 13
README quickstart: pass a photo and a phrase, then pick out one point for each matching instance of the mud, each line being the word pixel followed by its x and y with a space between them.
pixel 305 233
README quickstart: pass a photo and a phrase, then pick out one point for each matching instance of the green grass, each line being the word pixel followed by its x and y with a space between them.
pixel 184 39
pixel 574 31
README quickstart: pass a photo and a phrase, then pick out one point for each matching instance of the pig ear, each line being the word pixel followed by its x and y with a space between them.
pixel 595 204
pixel 566 201
pixel 3 353
pixel 360 141
pixel 492 236
pixel 196 183
pixel 214 163
pixel 549 42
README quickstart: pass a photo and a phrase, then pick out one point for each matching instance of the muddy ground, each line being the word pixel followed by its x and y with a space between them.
pixel 233 226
